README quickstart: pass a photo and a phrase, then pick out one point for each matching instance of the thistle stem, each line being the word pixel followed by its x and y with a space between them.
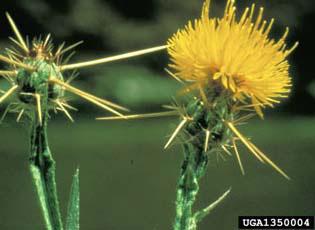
pixel 42 167
pixel 192 169
pixel 202 135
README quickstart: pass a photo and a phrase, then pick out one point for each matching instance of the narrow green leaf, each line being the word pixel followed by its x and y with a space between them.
pixel 43 167
pixel 73 217
pixel 37 178
pixel 204 212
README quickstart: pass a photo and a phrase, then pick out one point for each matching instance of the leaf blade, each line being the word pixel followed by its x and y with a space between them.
pixel 73 215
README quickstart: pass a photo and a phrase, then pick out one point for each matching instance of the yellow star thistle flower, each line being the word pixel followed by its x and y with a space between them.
pixel 236 68
pixel 237 55
pixel 230 62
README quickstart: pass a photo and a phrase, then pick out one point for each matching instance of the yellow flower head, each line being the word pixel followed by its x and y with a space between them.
pixel 236 55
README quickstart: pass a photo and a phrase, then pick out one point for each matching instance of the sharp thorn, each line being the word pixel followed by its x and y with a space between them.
pixel 238 157
pixel 17 33
pixel 140 116
pixel 39 108
pixel 8 93
pixel 111 59
pixel 177 130
pixel 206 146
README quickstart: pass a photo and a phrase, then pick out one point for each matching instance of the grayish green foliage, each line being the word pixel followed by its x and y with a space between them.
pixel 41 195
pixel 43 171
pixel 73 216
pixel 206 211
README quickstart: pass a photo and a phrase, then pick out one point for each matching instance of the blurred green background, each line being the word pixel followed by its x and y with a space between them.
pixel 127 180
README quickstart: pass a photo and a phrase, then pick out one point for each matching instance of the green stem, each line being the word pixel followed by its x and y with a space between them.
pixel 203 120
pixel 42 167
pixel 193 168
